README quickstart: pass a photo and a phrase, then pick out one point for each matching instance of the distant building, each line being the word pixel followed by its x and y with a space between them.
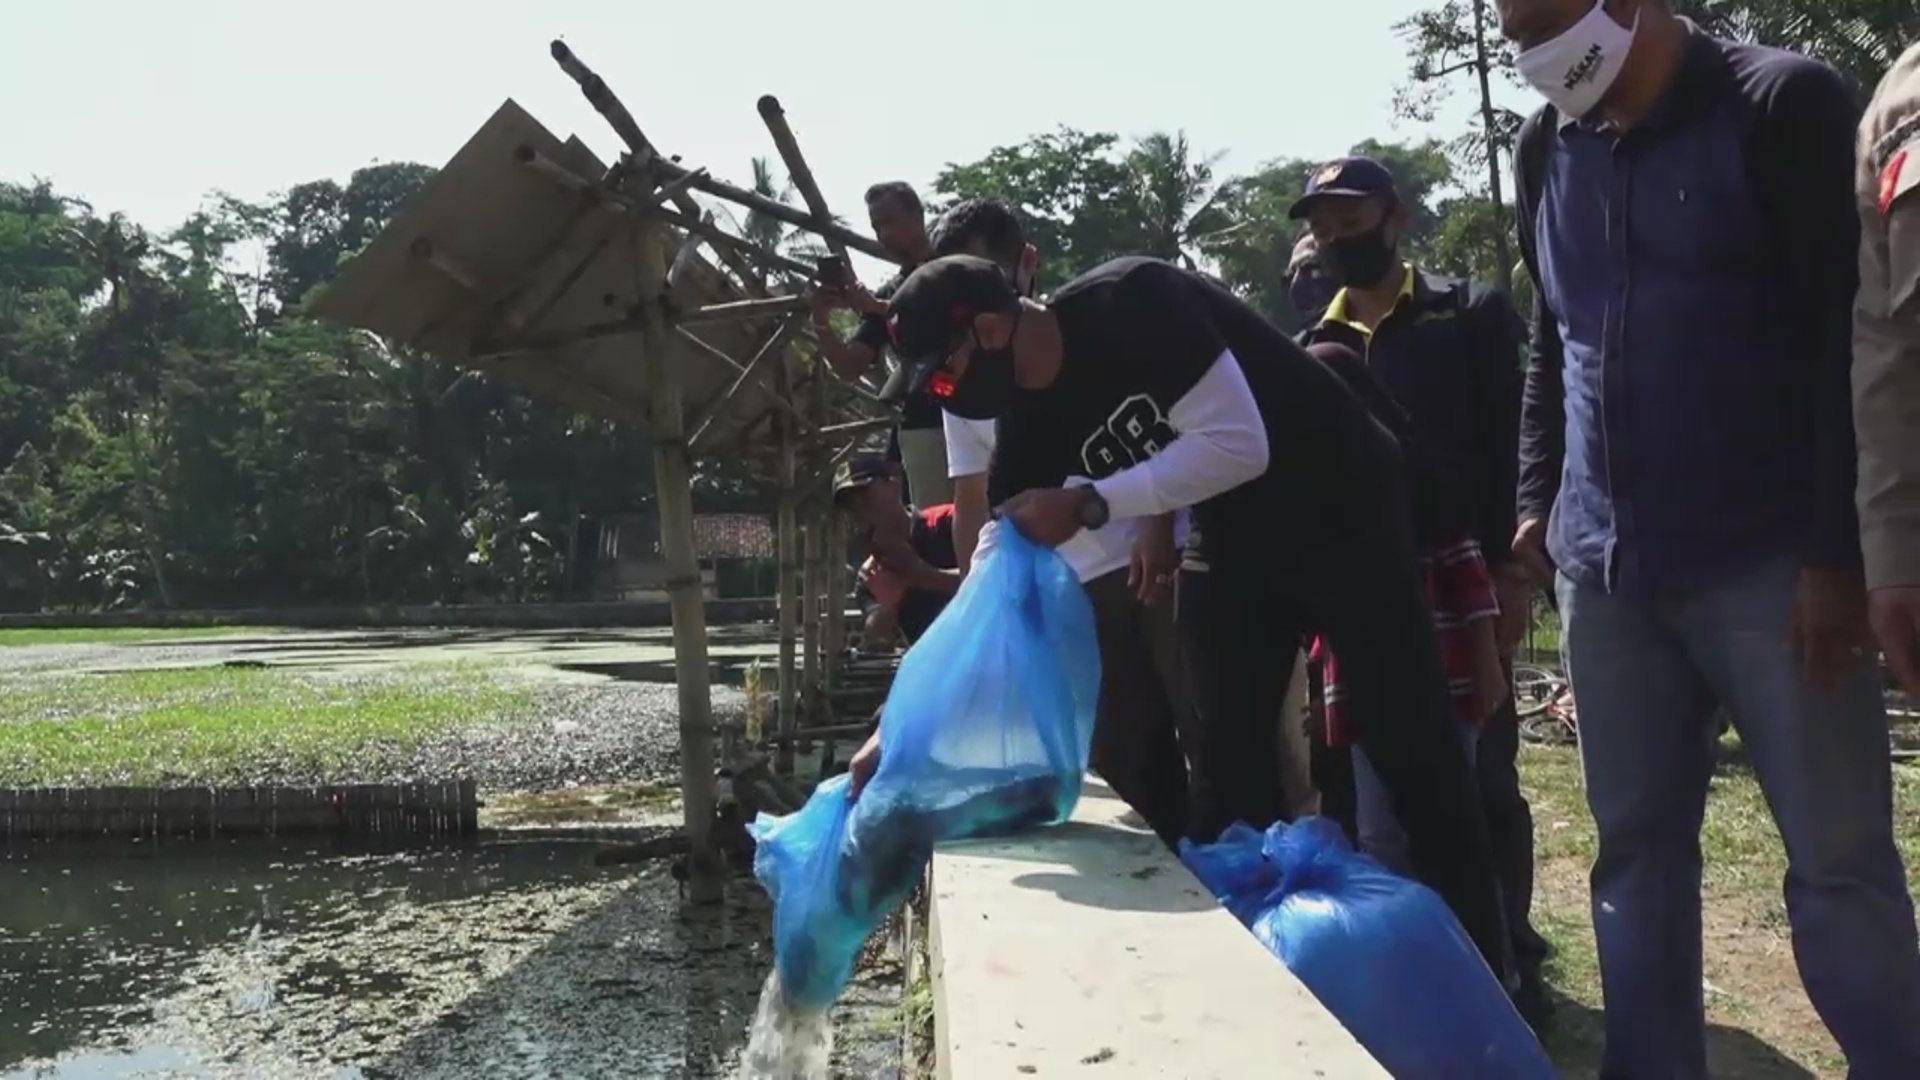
pixel 736 553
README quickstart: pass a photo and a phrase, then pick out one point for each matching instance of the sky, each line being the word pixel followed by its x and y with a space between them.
pixel 146 107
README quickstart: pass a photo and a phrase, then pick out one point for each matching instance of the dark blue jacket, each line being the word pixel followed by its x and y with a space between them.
pixel 1687 399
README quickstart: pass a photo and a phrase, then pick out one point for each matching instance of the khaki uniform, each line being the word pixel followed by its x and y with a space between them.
pixel 1886 329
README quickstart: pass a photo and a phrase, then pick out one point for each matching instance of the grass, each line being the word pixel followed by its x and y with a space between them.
pixel 1760 1023
pixel 118 635
pixel 188 725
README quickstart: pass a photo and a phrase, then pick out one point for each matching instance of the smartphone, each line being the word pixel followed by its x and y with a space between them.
pixel 833 272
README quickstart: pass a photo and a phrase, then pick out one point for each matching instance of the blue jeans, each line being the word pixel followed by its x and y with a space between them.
pixel 1647 674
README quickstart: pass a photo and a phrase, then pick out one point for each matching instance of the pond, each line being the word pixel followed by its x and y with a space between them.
pixel 304 959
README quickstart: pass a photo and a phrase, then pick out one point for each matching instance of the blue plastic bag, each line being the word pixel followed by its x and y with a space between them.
pixel 986 731
pixel 1382 953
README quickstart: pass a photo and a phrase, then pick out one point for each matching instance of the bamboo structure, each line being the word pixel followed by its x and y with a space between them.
pixel 529 260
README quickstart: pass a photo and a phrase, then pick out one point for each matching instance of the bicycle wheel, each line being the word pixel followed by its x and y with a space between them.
pixel 1535 688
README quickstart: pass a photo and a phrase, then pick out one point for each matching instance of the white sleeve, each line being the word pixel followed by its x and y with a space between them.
pixel 1222 444
pixel 969 445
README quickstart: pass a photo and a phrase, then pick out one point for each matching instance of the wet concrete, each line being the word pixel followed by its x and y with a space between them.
pixel 513 958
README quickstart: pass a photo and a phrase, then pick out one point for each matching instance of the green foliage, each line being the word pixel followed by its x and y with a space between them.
pixel 175 432
pixel 207 725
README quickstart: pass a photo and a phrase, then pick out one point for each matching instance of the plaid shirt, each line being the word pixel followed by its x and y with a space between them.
pixel 1460 591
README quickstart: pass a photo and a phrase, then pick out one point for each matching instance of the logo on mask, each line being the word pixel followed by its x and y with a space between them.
pixel 1584 70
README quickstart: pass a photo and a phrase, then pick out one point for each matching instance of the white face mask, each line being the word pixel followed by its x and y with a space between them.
pixel 1576 69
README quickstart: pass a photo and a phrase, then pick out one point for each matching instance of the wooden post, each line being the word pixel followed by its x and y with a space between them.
pixel 673 488
pixel 810 590
pixel 785 531
pixel 833 543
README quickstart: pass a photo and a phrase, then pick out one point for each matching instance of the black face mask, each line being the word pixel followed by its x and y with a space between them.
pixel 1358 261
pixel 984 392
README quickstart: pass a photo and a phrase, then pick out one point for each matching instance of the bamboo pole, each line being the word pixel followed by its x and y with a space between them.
pixel 798 171
pixel 810 589
pixel 785 532
pixel 673 488
pixel 833 574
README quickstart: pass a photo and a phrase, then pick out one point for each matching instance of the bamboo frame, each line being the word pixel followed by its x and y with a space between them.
pixel 814 422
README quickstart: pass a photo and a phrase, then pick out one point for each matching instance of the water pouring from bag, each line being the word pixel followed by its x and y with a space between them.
pixel 786 1043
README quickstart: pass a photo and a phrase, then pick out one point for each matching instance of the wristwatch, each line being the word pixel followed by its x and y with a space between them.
pixel 1092 510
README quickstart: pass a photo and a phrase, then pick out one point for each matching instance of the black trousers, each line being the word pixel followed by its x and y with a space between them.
pixel 1510 829
pixel 1347 571
pixel 1136 741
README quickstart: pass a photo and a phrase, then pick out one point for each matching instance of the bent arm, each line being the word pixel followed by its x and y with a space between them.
pixel 969 456
pixel 1222 445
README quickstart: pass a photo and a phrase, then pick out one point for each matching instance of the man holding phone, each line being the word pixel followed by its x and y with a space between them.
pixel 899 223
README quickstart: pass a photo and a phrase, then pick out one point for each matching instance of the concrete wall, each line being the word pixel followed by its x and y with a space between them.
pixel 1088 949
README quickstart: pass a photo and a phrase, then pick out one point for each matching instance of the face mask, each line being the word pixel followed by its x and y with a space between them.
pixel 988 386
pixel 1358 261
pixel 1575 70
pixel 1311 291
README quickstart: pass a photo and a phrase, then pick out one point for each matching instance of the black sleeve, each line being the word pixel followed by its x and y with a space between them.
pixel 872 332
pixel 1161 318
pixel 1804 151
pixel 1498 339
pixel 1543 416
pixel 1543 406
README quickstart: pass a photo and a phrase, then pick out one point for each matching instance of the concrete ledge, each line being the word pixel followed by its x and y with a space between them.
pixel 1088 949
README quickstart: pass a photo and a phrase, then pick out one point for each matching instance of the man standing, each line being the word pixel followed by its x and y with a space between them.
pixel 1127 566
pixel 1686 212
pixel 1145 389
pixel 900 224
pixel 1886 365
pixel 1309 289
pixel 1449 352
pixel 912 569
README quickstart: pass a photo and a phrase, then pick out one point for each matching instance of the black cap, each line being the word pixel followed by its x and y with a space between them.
pixel 858 471
pixel 1348 178
pixel 933 308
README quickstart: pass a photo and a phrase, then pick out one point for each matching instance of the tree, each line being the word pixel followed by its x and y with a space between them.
pixel 1861 38
pixel 1176 197
pixel 1074 192
pixel 1457 38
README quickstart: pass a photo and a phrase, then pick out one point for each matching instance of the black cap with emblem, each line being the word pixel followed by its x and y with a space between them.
pixel 932 313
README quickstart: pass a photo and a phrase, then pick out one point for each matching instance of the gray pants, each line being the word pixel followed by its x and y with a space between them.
pixel 923 457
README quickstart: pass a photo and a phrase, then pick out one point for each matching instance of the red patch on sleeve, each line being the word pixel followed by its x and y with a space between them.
pixel 1890 180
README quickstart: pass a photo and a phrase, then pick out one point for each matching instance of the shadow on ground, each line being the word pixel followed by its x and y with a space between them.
pixel 1575 1042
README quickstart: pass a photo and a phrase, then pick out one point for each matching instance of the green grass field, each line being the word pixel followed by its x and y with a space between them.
pixel 1762 1026
pixel 119 635
pixel 195 724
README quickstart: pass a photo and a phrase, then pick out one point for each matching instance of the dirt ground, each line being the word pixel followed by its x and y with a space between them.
pixel 1761 1025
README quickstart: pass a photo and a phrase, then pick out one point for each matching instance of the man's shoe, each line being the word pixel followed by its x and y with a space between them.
pixel 1535 1004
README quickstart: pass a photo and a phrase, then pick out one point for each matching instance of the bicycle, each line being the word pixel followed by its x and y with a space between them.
pixel 1543 700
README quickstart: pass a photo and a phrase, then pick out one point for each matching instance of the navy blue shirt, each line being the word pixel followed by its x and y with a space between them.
pixel 1686 407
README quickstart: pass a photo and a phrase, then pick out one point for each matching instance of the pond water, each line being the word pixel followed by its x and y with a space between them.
pixel 216 959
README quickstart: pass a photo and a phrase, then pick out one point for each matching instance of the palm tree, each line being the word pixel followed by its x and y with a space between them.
pixel 1862 38
pixel 1177 197
pixel 769 232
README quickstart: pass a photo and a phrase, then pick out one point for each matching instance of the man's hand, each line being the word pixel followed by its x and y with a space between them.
pixel 1530 548
pixel 1895 616
pixel 862 301
pixel 866 762
pixel 1828 623
pixel 1047 516
pixel 1154 559
pixel 1513 586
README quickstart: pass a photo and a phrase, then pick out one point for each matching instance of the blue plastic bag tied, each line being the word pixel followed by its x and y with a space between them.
pixel 1381 952
pixel 985 732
